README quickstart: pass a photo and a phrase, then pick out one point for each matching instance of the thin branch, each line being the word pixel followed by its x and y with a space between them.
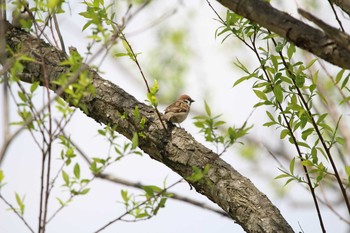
pixel 59 92
pixel 174 196
pixel 343 4
pixel 139 185
pixel 297 147
pixel 318 131
pixel 336 16
pixel 16 212
pixel 338 36
pixel 57 27
pixel 178 150
pixel 139 205
pixel 292 29
pixel 141 71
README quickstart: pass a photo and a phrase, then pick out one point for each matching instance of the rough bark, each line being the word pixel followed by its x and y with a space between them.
pixel 343 4
pixel 292 29
pixel 173 147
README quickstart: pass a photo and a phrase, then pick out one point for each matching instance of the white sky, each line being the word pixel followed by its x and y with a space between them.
pixel 212 68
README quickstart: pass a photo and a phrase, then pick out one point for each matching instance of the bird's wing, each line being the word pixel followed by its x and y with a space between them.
pixel 176 107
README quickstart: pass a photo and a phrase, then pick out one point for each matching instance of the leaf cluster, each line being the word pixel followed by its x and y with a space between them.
pixel 213 130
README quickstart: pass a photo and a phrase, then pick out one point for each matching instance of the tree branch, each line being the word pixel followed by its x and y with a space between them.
pixel 343 4
pixel 292 29
pixel 174 147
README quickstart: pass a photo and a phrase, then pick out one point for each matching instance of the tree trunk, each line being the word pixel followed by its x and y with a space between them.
pixel 321 44
pixel 173 146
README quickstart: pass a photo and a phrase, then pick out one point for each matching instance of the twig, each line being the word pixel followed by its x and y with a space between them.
pixel 318 132
pixel 139 185
pixel 137 206
pixel 336 16
pixel 14 210
pixel 59 92
pixel 174 196
pixel 57 27
pixel 141 71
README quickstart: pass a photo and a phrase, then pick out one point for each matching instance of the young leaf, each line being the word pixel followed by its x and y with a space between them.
pixel 34 86
pixel 77 171
pixel 207 108
pixel 291 166
pixel 135 140
pixel 84 191
pixel 1 176
pixel 125 195
pixel 20 203
pixel 260 94
pixel 65 178
pixel 277 90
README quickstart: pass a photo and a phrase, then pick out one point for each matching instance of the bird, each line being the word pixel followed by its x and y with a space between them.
pixel 178 111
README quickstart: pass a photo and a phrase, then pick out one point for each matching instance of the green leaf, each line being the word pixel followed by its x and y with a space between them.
pixel 307 163
pixel 142 215
pixel 240 80
pixel 160 205
pixel 84 191
pixel 125 196
pixel 22 96
pixel 270 116
pixel 52 4
pixel 34 86
pixel 277 90
pixel 128 49
pixel 207 108
pixel 321 118
pixel 299 81
pixel 291 166
pixel 306 133
pixel 340 140
pixel 155 87
pixel 339 76
pixel 135 140
pixel 345 82
pixel 290 51
pixel 77 171
pixel 274 62
pixel 282 176
pixel 197 174
pixel 151 189
pixel 1 176
pixel 20 203
pixel 260 94
pixel 347 170
pixel 284 133
pixel 65 178
pixel 314 155
pixel 289 180
pixel 60 201
pixel 303 144
pixel 279 47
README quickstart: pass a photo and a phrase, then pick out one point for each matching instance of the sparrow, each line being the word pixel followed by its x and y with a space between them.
pixel 177 112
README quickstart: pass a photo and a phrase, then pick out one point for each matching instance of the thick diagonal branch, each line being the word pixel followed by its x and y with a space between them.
pixel 292 29
pixel 174 147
